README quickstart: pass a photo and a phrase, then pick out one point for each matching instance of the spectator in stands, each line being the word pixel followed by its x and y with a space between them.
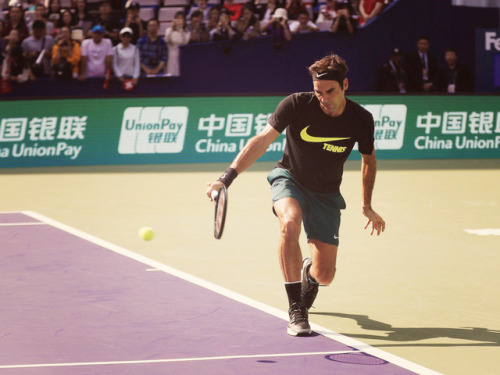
pixel 15 21
pixel 2 42
pixel 202 6
pixel 277 27
pixel 233 9
pixel 37 49
pixel 67 19
pixel 422 68
pixel 66 55
pixel 294 7
pixel 248 26
pixel 454 76
pixel 223 30
pixel 344 21
pixel 153 50
pixel 198 32
pixel 266 9
pixel 54 11
pixel 392 75
pixel 327 12
pixel 303 24
pixel 11 41
pixel 97 55
pixel 356 14
pixel 213 18
pixel 176 35
pixel 126 60
pixel 370 9
pixel 41 14
pixel 134 21
pixel 108 21
pixel 15 66
pixel 82 16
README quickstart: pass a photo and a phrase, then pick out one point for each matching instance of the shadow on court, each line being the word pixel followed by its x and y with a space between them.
pixel 479 336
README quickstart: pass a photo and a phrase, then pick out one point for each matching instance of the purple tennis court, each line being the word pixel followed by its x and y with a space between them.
pixel 74 304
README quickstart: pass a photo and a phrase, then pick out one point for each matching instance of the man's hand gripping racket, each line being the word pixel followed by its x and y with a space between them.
pixel 220 198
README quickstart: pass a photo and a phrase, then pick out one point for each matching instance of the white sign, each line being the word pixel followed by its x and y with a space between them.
pixel 153 130
pixel 390 121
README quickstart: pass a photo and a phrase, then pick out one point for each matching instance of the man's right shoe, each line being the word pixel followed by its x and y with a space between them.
pixel 309 288
pixel 299 322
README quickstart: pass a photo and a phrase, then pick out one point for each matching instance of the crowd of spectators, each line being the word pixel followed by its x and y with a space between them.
pixel 83 40
pixel 418 72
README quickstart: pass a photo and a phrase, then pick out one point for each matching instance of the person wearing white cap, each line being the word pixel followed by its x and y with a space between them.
pixel 126 59
pixel 277 26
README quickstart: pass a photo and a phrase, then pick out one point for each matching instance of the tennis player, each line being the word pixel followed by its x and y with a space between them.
pixel 321 130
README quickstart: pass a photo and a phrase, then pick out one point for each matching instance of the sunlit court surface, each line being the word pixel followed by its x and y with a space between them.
pixel 82 293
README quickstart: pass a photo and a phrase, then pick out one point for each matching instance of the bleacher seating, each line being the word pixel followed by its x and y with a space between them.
pixel 168 13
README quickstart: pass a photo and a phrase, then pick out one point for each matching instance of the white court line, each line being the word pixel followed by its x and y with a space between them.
pixel 358 345
pixel 149 361
pixel 19 224
pixel 484 232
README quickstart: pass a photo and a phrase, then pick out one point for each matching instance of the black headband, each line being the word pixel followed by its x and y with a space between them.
pixel 329 75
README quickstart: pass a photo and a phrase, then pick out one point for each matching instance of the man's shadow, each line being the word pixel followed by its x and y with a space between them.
pixel 477 336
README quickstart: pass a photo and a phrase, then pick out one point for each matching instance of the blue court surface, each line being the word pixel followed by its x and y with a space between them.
pixel 74 304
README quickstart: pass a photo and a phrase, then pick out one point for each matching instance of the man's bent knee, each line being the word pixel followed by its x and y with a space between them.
pixel 323 275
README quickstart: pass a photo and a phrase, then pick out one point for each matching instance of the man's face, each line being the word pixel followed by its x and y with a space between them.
pixel 423 45
pixel 396 58
pixel 38 33
pixel 39 11
pixel 195 21
pixel 105 9
pixel 97 37
pixel 451 57
pixel 64 33
pixel 153 28
pixel 330 94
pixel 303 19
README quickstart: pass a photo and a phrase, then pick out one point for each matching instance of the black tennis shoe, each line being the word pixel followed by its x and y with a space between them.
pixel 309 288
pixel 299 322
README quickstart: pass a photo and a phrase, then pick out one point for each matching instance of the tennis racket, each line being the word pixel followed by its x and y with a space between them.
pixel 220 199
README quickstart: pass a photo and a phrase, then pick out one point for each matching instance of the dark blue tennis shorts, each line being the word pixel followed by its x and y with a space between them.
pixel 320 211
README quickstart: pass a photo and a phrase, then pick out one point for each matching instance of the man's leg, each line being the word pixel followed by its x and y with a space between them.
pixel 319 269
pixel 290 258
pixel 324 260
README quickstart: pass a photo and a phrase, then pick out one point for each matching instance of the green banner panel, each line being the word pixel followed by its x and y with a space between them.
pixel 214 129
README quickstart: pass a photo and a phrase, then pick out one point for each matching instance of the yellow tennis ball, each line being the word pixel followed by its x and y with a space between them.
pixel 146 233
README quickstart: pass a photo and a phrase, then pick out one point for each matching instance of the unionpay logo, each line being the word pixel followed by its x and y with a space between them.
pixel 390 120
pixel 153 130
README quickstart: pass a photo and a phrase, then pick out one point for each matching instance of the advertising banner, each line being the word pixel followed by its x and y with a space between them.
pixel 215 129
pixel 488 60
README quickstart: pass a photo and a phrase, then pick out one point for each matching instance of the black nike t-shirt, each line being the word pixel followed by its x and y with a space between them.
pixel 318 145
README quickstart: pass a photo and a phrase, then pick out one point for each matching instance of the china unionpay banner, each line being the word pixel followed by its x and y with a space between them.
pixel 215 129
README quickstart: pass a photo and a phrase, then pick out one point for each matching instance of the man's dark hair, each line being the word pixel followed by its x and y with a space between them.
pixel 38 24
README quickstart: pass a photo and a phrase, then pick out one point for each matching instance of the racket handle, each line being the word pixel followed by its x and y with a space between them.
pixel 214 194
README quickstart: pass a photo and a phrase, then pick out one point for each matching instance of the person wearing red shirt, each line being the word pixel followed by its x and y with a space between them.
pixel 370 9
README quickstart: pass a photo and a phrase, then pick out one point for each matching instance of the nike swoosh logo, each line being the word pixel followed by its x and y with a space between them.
pixel 309 138
pixel 321 75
